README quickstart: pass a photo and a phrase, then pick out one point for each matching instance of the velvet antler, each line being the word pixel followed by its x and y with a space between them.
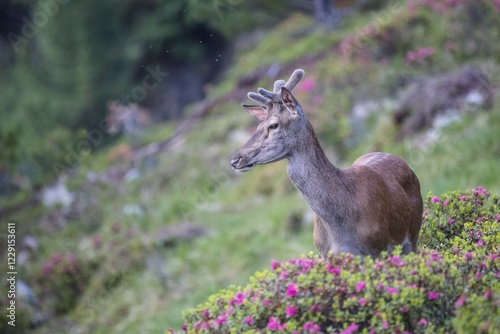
pixel 265 96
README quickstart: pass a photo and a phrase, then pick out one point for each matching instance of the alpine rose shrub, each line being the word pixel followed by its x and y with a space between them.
pixel 61 280
pixel 440 289
pixel 462 221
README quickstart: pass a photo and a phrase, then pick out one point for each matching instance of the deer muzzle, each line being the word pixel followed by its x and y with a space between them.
pixel 240 164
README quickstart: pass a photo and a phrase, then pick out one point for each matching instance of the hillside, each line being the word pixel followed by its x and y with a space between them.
pixel 155 223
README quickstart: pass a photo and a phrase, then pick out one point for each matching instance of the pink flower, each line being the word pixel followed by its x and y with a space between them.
pixel 480 219
pixel 378 265
pixel 419 55
pixel 397 261
pixel 460 301
pixel 423 322
pixel 275 325
pixel 468 256
pixel 497 217
pixel 311 327
pixel 47 268
pixel 333 270
pixel 306 265
pixel 360 286
pixel 480 243
pixel 291 290
pixel 425 213
pixel 284 275
pixel 410 56
pixel 435 256
pixel 205 313
pixel 315 308
pixel 290 311
pixel 433 295
pixel 497 5
pixel 57 258
pixel 266 303
pixel 307 84
pixel 249 320
pixel 350 329
pixel 451 221
pixel 392 291
pixel 446 202
pixel 274 264
pixel 239 298
pixel 221 320
pixel 480 191
pixel 362 302
pixel 435 199
pixel 385 325
pixel 423 53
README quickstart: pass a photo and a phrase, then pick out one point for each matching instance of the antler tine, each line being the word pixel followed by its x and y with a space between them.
pixel 296 76
pixel 265 96
pixel 277 85
pixel 267 93
pixel 259 98
pixel 274 95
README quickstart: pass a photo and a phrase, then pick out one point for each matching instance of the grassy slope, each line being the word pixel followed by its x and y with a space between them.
pixel 246 215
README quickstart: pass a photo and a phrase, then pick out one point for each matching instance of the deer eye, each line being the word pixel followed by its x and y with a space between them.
pixel 273 126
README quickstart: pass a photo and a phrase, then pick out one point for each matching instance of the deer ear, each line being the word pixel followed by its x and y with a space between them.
pixel 289 101
pixel 258 112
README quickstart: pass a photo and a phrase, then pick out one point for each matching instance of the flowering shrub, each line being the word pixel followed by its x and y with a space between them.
pixel 462 221
pixel 433 291
pixel 419 55
pixel 469 320
pixel 425 32
pixel 61 280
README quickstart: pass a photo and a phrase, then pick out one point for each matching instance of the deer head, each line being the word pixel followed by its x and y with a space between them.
pixel 280 119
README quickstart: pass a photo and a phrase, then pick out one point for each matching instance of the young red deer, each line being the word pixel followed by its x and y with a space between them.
pixel 367 208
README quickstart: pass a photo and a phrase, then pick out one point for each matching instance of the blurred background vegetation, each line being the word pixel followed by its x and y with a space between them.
pixel 118 120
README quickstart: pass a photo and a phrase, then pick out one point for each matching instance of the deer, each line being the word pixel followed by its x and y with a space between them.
pixel 369 207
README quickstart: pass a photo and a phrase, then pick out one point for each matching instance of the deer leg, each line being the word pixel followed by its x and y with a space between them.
pixel 321 237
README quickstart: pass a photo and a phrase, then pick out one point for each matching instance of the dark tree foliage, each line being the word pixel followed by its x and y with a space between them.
pixel 63 60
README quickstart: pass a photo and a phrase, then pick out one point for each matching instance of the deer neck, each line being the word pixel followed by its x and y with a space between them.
pixel 322 185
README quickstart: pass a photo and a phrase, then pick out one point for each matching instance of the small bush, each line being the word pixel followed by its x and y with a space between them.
pixel 464 221
pixel 430 292
pixel 61 281
pixel 478 313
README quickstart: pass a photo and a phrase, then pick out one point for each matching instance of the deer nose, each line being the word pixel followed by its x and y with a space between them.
pixel 235 161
